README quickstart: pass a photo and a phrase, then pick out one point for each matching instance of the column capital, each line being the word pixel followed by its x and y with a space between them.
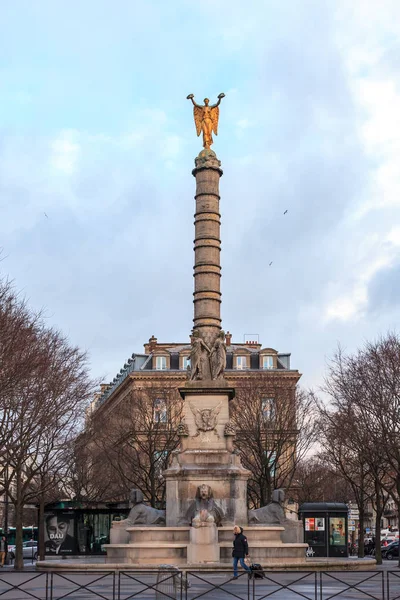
pixel 207 159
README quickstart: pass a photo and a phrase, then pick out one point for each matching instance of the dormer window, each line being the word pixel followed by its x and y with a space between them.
pixel 267 362
pixel 241 362
pixel 161 363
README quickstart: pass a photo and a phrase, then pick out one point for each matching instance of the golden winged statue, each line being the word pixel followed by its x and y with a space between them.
pixel 206 118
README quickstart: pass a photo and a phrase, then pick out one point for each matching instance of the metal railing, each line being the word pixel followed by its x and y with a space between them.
pixel 168 583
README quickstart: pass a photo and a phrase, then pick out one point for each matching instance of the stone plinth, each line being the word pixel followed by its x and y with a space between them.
pixel 203 546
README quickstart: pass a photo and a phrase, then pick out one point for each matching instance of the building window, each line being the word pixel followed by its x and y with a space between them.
pixel 186 363
pixel 161 362
pixel 160 411
pixel 160 460
pixel 268 408
pixel 270 458
pixel 241 362
pixel 267 362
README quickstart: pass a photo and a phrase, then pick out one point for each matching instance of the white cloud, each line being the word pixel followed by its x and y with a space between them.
pixel 65 151
pixel 376 255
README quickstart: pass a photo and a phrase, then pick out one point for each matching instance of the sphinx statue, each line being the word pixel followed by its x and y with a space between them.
pixel 141 514
pixel 271 514
pixel 204 510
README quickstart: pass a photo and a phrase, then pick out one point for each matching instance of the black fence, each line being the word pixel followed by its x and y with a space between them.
pixel 169 583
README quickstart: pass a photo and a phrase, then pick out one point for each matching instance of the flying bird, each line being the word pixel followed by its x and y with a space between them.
pixel 285 212
pixel 271 262
pixel 45 215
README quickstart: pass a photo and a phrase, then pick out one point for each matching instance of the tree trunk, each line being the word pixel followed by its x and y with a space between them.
pixel 378 553
pixel 41 548
pixel 361 531
pixel 398 513
pixel 19 560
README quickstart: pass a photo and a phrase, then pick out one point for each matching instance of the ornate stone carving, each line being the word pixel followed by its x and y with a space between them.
pixel 218 357
pixel 272 513
pixel 207 159
pixel 182 429
pixel 206 118
pixel 141 514
pixel 205 419
pixel 199 354
pixel 204 509
pixel 230 429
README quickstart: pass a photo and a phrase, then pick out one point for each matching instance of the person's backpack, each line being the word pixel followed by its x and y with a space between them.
pixel 257 571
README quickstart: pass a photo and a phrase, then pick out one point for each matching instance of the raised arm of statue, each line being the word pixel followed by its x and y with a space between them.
pixel 220 96
pixel 191 97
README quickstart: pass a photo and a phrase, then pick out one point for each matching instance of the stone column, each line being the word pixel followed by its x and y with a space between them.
pixel 207 247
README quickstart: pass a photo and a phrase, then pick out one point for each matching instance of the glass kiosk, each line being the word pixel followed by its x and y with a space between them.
pixel 325 528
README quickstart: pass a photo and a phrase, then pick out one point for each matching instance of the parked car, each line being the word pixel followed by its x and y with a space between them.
pixel 391 537
pixel 391 551
pixel 29 550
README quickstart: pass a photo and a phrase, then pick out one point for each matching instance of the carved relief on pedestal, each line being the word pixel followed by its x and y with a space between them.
pixel 206 419
pixel 230 429
pixel 182 430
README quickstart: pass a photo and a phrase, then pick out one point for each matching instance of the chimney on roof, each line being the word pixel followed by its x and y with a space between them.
pixel 152 343
pixel 228 338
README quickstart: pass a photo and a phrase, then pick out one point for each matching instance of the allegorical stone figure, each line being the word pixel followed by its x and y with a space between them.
pixel 206 119
pixel 270 514
pixel 199 353
pixel 218 356
pixel 204 509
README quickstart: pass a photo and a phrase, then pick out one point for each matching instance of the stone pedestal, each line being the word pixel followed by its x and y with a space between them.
pixel 204 458
pixel 203 546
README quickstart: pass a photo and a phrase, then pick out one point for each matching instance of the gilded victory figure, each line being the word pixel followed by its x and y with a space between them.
pixel 206 118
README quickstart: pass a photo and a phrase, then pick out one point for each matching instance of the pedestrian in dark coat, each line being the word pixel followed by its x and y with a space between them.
pixel 240 551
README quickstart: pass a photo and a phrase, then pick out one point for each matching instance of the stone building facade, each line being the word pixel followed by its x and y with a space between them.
pixel 168 363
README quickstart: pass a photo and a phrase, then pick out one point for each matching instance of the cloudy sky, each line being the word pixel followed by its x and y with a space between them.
pixel 97 134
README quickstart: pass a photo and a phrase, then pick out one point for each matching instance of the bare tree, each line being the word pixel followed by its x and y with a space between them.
pixel 275 427
pixel 136 439
pixel 348 427
pixel 317 480
pixel 380 378
pixel 46 388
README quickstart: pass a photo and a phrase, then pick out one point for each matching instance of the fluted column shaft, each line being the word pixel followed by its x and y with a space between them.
pixel 207 247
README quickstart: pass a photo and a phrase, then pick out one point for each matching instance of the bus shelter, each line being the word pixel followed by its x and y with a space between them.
pixel 73 528
pixel 325 527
